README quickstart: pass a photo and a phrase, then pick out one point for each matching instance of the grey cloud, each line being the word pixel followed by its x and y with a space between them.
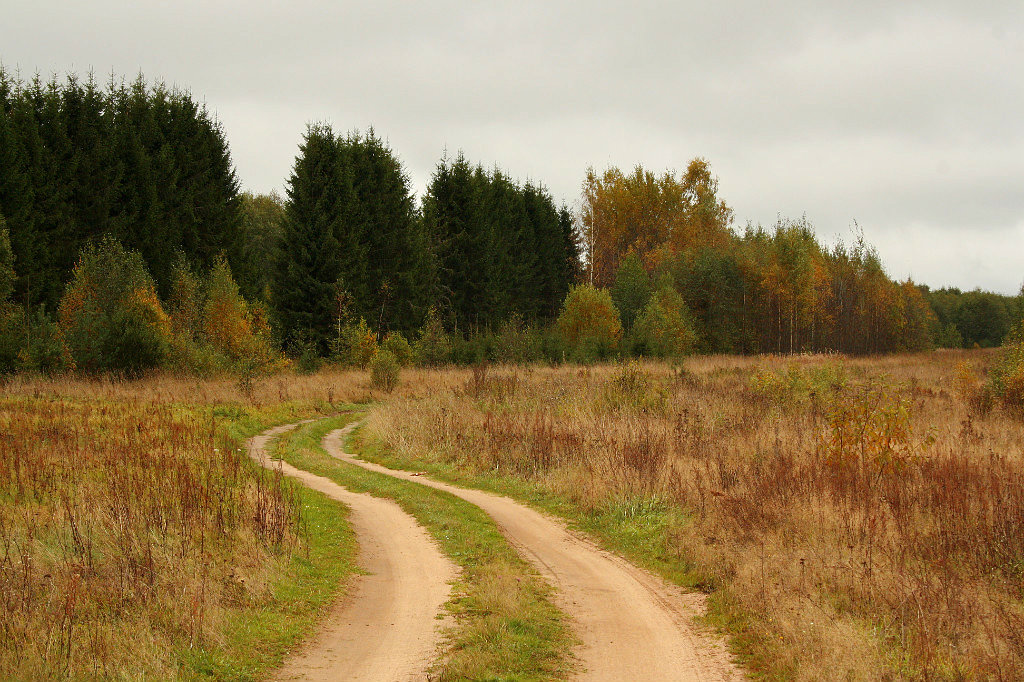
pixel 903 116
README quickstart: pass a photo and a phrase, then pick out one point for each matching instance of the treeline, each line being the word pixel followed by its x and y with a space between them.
pixel 146 165
pixel 965 319
pixel 481 250
pixel 123 231
pixel 763 290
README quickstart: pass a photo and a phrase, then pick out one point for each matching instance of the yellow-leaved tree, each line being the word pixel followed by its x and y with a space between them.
pixel 110 314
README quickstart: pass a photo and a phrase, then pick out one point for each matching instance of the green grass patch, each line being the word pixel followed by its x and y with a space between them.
pixel 506 627
pixel 258 635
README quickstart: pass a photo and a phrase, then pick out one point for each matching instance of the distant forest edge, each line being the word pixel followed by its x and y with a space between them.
pixel 126 243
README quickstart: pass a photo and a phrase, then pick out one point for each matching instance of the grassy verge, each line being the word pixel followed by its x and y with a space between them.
pixel 256 640
pixel 639 529
pixel 149 545
pixel 506 627
pixel 257 637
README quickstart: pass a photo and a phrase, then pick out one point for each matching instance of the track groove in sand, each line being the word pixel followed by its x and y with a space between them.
pixel 386 626
pixel 632 624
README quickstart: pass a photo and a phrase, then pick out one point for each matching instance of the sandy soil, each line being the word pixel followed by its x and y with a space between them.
pixel 386 627
pixel 632 624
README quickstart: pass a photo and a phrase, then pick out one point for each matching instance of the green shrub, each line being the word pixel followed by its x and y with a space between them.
pixel 397 345
pixel 1007 375
pixel 355 345
pixel 110 315
pixel 516 343
pixel 589 324
pixel 30 342
pixel 631 290
pixel 433 347
pixel 384 371
pixel 664 328
pixel 553 347
pixel 471 351
pixel 308 360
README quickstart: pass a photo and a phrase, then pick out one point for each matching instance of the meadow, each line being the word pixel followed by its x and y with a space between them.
pixel 851 518
pixel 137 538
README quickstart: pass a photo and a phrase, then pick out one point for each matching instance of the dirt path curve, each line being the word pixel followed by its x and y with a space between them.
pixel 632 624
pixel 386 627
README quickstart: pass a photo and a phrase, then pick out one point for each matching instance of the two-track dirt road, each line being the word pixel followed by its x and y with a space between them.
pixel 633 625
pixel 386 627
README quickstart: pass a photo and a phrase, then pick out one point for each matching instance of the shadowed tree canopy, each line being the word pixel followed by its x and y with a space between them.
pixel 502 249
pixel 144 164
pixel 351 242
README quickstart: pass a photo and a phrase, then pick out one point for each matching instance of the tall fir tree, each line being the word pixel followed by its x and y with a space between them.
pixel 381 221
pixel 453 219
pixel 306 283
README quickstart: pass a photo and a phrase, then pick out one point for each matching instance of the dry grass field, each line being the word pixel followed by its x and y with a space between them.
pixel 854 518
pixel 136 534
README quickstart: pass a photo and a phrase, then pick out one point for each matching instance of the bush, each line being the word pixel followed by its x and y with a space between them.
pixel 30 342
pixel 589 324
pixel 110 315
pixel 552 346
pixel 516 343
pixel 396 344
pixel 471 351
pixel 433 347
pixel 1008 373
pixel 227 322
pixel 664 328
pixel 355 345
pixel 384 371
pixel 307 357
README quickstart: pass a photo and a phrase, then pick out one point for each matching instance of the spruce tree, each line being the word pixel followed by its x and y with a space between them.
pixel 381 220
pixel 453 219
pixel 96 175
pixel 16 188
pixel 305 287
pixel 570 266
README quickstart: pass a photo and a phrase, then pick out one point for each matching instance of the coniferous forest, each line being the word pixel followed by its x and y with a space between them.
pixel 134 182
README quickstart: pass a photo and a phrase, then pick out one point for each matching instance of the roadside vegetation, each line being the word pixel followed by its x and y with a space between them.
pixel 137 538
pixel 850 517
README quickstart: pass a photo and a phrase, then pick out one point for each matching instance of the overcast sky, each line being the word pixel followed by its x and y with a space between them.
pixel 905 117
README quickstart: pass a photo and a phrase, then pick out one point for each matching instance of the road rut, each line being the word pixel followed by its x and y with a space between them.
pixel 386 626
pixel 632 624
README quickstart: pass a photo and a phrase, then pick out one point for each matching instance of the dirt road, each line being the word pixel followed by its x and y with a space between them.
pixel 633 625
pixel 386 626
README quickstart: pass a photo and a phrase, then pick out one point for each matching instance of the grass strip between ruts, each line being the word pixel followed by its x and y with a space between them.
pixel 505 626
pixel 639 530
